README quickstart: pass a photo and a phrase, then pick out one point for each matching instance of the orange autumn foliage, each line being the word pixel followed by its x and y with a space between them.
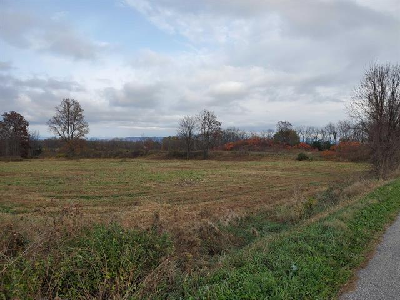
pixel 253 144
pixel 303 146
pixel 352 151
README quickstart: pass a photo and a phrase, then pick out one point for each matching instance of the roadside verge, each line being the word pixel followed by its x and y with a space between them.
pixel 310 262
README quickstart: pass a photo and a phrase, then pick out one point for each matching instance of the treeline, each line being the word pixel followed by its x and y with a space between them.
pixel 196 136
pixel 190 137
pixel 114 148
pixel 284 137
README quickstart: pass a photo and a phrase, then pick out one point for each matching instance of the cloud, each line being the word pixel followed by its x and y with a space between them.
pixel 5 66
pixel 135 95
pixel 228 89
pixel 48 84
pixel 147 58
pixel 235 20
pixel 26 30
pixel 34 97
pixel 299 41
pixel 253 62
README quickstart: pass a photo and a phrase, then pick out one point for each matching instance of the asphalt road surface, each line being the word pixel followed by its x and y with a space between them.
pixel 380 280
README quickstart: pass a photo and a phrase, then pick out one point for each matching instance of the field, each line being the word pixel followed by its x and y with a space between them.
pixel 180 225
pixel 180 193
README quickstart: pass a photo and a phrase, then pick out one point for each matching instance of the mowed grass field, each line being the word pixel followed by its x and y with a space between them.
pixel 175 229
pixel 176 192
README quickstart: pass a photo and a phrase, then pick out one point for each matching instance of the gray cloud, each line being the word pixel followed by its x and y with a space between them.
pixel 135 95
pixel 25 30
pixel 5 66
pixel 224 18
pixel 48 84
pixel 35 97
pixel 253 62
pixel 335 40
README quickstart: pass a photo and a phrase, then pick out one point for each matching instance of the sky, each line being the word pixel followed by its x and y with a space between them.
pixel 138 66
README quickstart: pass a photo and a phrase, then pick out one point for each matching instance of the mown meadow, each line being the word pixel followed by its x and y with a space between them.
pixel 209 229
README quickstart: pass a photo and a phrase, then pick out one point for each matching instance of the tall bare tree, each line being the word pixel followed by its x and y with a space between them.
pixel 376 108
pixel 69 123
pixel 209 128
pixel 232 134
pixel 186 131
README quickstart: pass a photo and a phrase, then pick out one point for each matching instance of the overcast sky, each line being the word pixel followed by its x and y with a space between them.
pixel 138 66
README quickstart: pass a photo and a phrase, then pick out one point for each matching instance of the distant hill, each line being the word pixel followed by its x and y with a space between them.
pixel 141 138
pixel 128 139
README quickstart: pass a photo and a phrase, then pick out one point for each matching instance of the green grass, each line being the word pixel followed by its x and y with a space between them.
pixel 252 227
pixel 102 262
pixel 310 262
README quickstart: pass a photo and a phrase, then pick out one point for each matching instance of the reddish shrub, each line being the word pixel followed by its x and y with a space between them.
pixel 352 151
pixel 329 154
pixel 303 146
pixel 252 144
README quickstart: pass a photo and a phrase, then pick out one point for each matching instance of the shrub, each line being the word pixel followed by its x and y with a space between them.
pixel 352 151
pixel 302 156
pixel 251 144
pixel 329 154
pixel 321 145
pixel 303 146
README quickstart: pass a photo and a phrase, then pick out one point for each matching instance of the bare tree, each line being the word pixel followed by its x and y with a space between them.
pixel 232 134
pixel 323 134
pixel 69 123
pixel 332 132
pixel 376 109
pixel 34 144
pixel 308 131
pixel 344 130
pixel 312 134
pixel 209 128
pixel 186 131
pixel 267 134
pixel 301 131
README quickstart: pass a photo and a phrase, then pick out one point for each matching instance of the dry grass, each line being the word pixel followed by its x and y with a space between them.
pixel 181 193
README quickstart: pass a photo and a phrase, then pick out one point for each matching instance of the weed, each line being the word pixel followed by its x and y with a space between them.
pixel 309 206
pixel 102 262
pixel 11 242
pixel 311 262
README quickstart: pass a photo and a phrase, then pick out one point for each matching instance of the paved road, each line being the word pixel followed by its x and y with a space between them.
pixel 380 280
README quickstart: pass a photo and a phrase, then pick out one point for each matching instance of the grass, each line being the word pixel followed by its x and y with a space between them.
pixel 309 262
pixel 100 262
pixel 132 191
pixel 272 227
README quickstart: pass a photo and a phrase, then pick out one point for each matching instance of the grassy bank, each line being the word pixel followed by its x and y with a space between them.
pixel 310 262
